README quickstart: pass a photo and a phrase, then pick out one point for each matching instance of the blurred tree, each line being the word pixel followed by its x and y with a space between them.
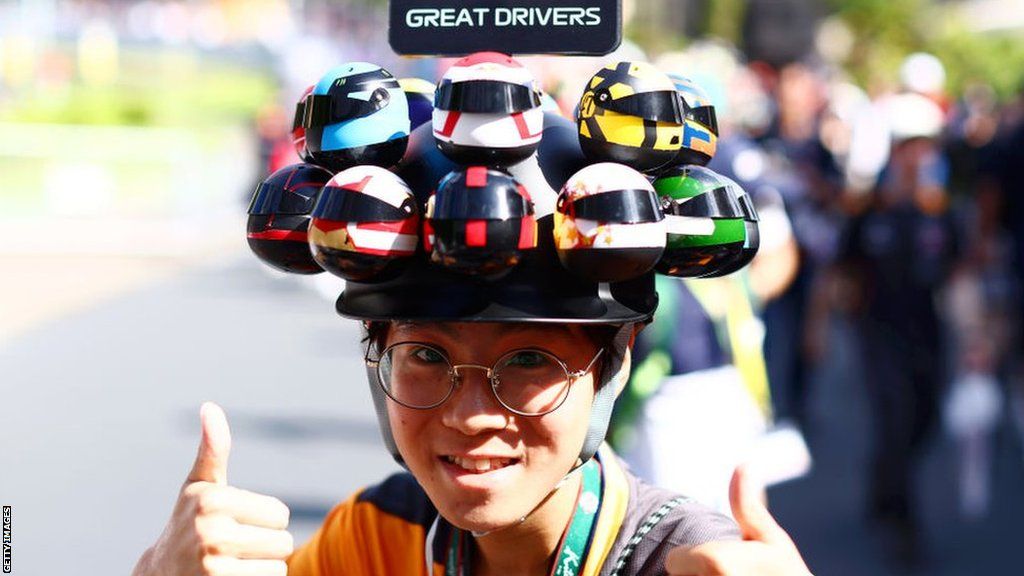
pixel 884 32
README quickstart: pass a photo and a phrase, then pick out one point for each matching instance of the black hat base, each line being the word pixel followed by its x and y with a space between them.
pixel 538 289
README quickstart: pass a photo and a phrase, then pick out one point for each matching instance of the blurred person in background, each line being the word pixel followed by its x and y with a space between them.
pixel 787 154
pixel 792 343
pixel 1001 232
pixel 274 139
pixel 979 301
pixel 897 254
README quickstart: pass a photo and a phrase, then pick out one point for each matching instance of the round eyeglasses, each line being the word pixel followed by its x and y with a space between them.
pixel 527 381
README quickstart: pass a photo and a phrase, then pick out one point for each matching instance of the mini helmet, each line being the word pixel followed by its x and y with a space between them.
pixel 279 217
pixel 700 130
pixel 298 130
pixel 365 225
pixel 704 220
pixel 752 240
pixel 357 114
pixel 479 222
pixel 420 94
pixel 630 114
pixel 608 226
pixel 487 110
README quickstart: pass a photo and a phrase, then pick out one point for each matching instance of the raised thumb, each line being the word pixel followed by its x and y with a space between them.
pixel 211 463
pixel 746 497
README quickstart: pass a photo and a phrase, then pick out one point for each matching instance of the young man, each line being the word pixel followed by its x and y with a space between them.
pixel 494 391
pixel 495 421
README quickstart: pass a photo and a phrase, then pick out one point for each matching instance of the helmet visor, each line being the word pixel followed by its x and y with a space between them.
pixel 705 116
pixel 345 205
pixel 273 199
pixel 716 203
pixel 348 102
pixel 661 106
pixel 463 204
pixel 619 206
pixel 485 97
pixel 300 115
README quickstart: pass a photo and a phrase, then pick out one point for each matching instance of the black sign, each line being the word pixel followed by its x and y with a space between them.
pixel 459 27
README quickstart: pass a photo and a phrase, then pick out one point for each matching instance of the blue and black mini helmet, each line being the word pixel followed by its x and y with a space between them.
pixel 356 115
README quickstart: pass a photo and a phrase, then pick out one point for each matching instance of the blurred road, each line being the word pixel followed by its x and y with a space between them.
pixel 824 512
pixel 100 411
pixel 100 424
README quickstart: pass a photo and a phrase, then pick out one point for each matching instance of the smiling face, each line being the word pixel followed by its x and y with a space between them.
pixel 483 466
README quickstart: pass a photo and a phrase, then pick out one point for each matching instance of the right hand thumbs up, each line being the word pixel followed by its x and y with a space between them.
pixel 211 463
pixel 217 529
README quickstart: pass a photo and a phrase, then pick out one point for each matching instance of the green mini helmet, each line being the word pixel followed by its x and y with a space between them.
pixel 711 223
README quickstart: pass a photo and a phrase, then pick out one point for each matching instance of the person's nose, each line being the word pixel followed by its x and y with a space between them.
pixel 473 408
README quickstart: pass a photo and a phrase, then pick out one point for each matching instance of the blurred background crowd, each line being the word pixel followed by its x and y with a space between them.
pixel 883 142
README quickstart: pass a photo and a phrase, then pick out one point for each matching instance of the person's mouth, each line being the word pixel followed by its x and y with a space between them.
pixel 478 464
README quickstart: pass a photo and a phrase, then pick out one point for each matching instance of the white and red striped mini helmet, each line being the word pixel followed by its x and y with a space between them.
pixel 365 224
pixel 608 224
pixel 487 110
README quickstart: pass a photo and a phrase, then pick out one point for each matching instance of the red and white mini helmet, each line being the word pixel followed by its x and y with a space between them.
pixel 365 224
pixel 487 110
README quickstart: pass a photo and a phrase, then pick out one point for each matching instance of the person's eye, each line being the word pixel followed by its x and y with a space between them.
pixel 527 359
pixel 427 355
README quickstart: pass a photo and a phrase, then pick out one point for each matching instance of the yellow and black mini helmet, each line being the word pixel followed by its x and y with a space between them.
pixel 630 113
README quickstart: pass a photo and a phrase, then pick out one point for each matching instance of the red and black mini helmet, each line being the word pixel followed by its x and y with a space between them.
pixel 279 217
pixel 365 225
pixel 479 222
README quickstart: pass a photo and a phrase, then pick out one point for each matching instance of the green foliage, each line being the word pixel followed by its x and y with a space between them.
pixel 153 89
pixel 725 19
pixel 995 59
pixel 886 31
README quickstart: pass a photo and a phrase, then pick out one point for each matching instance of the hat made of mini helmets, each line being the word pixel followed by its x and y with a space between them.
pixel 487 111
pixel 608 224
pixel 752 241
pixel 420 94
pixel 700 129
pixel 479 221
pixel 279 217
pixel 298 130
pixel 357 114
pixel 630 114
pixel 537 290
pixel 704 220
pixel 365 225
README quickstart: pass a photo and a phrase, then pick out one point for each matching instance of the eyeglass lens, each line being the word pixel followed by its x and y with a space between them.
pixel 525 381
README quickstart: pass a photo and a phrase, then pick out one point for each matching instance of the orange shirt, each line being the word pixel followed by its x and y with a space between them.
pixel 383 530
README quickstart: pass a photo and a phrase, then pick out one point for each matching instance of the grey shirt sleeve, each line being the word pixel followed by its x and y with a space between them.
pixel 688 524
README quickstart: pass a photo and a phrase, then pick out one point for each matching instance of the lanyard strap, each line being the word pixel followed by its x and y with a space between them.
pixel 575 540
